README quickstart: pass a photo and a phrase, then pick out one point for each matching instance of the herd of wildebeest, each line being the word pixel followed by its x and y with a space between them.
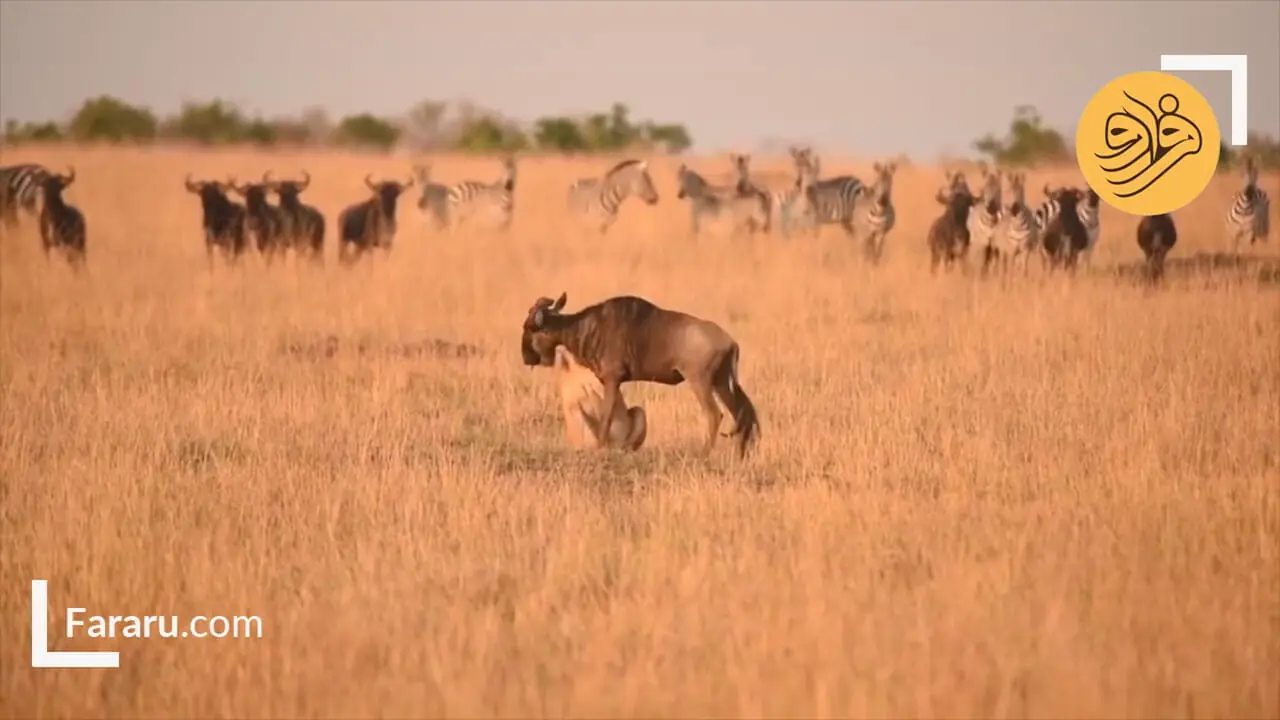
pixel 628 339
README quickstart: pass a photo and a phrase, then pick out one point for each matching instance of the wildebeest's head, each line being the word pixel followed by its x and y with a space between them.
pixel 54 183
pixel 386 193
pixel 537 345
pixel 254 194
pixel 213 194
pixel 289 190
pixel 1068 198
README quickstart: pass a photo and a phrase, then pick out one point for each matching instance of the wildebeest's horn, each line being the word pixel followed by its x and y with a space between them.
pixel 368 180
pixel 191 187
pixel 408 185
pixel 1047 191
pixel 306 181
pixel 560 301
pixel 266 178
pixel 70 176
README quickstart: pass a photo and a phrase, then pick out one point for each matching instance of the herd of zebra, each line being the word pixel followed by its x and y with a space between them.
pixel 1001 225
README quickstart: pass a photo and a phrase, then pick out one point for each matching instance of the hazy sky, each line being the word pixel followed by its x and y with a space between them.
pixel 870 78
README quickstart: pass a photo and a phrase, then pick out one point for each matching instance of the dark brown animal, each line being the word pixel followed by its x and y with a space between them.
pixel 222 221
pixel 304 225
pixel 1156 236
pixel 629 339
pixel 1065 237
pixel 372 223
pixel 949 234
pixel 62 225
pixel 264 222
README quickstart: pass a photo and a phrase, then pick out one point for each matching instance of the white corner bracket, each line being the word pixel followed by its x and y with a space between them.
pixel 1238 66
pixel 40 655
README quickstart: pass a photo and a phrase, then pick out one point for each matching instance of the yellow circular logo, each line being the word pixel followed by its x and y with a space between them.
pixel 1148 143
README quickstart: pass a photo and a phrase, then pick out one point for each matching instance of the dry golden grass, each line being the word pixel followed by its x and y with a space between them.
pixel 1043 499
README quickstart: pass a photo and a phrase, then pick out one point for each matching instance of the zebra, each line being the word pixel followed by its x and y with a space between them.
pixel 782 200
pixel 1249 214
pixel 880 215
pixel 746 207
pixel 596 200
pixel 829 201
pixel 264 222
pixel 223 220
pixel 20 187
pixel 1019 230
pixel 984 218
pixel 62 225
pixel 371 223
pixel 304 224
pixel 433 198
pixel 470 197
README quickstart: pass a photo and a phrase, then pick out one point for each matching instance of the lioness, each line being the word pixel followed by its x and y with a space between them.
pixel 581 394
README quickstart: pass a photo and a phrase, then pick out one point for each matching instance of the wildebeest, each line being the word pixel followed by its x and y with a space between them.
pixel 580 396
pixel 949 234
pixel 264 222
pixel 1064 237
pixel 62 225
pixel 223 220
pixel 304 225
pixel 372 223
pixel 1156 237
pixel 629 339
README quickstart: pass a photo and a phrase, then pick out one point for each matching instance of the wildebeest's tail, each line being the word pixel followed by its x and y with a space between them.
pixel 746 422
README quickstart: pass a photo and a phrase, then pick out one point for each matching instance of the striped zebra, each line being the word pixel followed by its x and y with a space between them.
pixel 1088 211
pixel 472 197
pixel 782 198
pixel 20 187
pixel 827 202
pixel 984 218
pixel 1020 230
pixel 1250 213
pixel 746 208
pixel 596 200
pixel 880 217
pixel 433 198
pixel 62 225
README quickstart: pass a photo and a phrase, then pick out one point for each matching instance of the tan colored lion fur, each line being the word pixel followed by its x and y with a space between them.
pixel 580 396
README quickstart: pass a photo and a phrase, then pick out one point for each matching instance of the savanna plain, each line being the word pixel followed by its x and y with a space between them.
pixel 972 498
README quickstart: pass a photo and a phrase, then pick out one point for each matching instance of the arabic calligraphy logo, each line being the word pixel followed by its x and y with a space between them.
pixel 1146 157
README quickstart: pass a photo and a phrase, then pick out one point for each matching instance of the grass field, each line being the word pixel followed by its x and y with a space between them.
pixel 1045 498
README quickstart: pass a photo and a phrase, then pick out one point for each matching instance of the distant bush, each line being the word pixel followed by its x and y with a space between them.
pixel 429 125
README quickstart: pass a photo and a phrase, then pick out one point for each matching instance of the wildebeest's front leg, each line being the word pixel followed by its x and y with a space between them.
pixel 609 398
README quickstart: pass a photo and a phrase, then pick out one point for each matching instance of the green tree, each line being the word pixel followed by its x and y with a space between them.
pixel 1027 141
pixel 212 123
pixel 488 134
pixel 367 130
pixel 261 132
pixel 18 134
pixel 673 138
pixel 105 118
pixel 559 133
